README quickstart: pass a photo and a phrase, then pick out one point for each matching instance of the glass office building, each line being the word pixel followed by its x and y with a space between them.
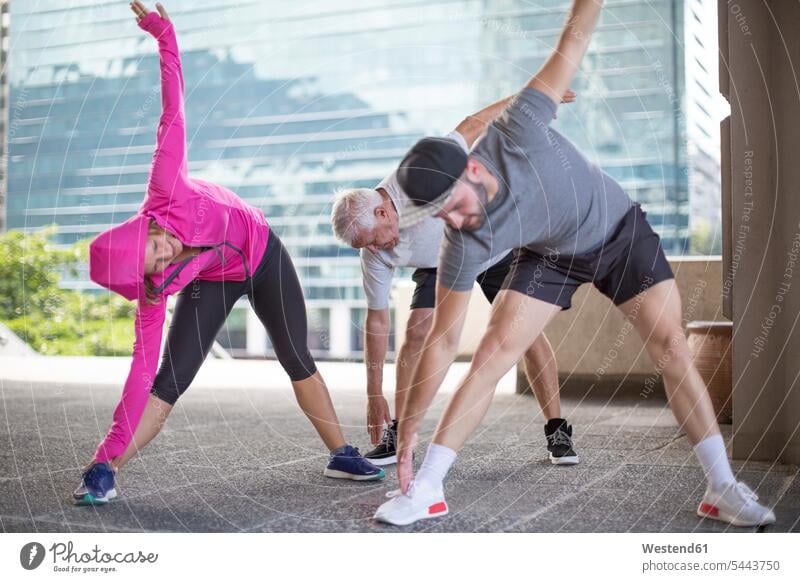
pixel 4 22
pixel 288 101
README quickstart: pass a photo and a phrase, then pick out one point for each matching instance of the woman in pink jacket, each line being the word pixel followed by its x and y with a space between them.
pixel 202 241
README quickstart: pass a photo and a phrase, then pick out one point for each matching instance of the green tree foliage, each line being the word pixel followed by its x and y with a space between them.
pixel 705 240
pixel 51 319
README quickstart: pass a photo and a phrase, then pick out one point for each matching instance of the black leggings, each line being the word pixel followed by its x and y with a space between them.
pixel 202 307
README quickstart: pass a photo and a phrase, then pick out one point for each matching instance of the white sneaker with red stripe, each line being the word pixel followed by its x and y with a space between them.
pixel 736 504
pixel 422 501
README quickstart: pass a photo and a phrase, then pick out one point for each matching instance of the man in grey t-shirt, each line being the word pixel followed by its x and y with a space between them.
pixel 527 187
pixel 369 219
pixel 550 199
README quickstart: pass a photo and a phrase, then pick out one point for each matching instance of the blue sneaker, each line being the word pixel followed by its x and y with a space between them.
pixel 97 487
pixel 349 464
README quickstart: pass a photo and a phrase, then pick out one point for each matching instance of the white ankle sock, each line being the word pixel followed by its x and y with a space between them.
pixel 437 463
pixel 711 454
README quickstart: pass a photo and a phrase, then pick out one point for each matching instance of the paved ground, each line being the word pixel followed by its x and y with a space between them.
pixel 246 460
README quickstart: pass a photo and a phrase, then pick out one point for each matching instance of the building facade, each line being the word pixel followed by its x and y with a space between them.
pixel 288 102
pixel 704 108
pixel 5 20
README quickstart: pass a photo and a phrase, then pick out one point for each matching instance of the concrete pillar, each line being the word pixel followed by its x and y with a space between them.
pixel 340 331
pixel 759 53
pixel 256 334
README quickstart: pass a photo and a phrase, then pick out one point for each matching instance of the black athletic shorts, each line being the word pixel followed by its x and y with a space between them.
pixel 628 263
pixel 491 281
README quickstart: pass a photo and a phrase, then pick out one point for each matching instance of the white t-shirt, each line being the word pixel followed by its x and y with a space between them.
pixel 418 247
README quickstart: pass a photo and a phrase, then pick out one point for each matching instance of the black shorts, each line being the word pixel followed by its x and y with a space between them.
pixel 628 263
pixel 491 281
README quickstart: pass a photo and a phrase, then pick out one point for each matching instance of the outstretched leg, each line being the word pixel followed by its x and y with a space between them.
pixel 656 314
pixel 516 322
pixel 540 361
pixel 200 312
pixel 542 372
pixel 277 299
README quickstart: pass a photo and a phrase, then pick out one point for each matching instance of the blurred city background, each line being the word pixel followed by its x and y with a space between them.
pixel 286 102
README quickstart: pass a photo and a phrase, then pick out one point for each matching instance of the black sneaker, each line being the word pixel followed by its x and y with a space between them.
pixel 559 442
pixel 386 451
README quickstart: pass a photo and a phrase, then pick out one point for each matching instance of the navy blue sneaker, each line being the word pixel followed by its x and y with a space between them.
pixel 349 464
pixel 97 486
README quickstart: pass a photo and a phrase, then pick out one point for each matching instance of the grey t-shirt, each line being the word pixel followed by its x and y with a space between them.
pixel 551 199
pixel 418 247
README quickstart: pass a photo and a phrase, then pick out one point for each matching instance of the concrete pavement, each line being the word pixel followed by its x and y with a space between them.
pixel 246 459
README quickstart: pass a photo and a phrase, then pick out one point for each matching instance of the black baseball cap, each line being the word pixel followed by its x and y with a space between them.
pixel 427 175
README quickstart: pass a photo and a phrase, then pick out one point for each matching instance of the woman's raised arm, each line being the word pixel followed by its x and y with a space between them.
pixel 169 159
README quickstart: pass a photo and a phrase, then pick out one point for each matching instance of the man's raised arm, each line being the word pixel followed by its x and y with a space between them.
pixel 555 76
pixel 474 125
pixel 438 354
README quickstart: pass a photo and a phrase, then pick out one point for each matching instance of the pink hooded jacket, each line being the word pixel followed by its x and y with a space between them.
pixel 199 214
